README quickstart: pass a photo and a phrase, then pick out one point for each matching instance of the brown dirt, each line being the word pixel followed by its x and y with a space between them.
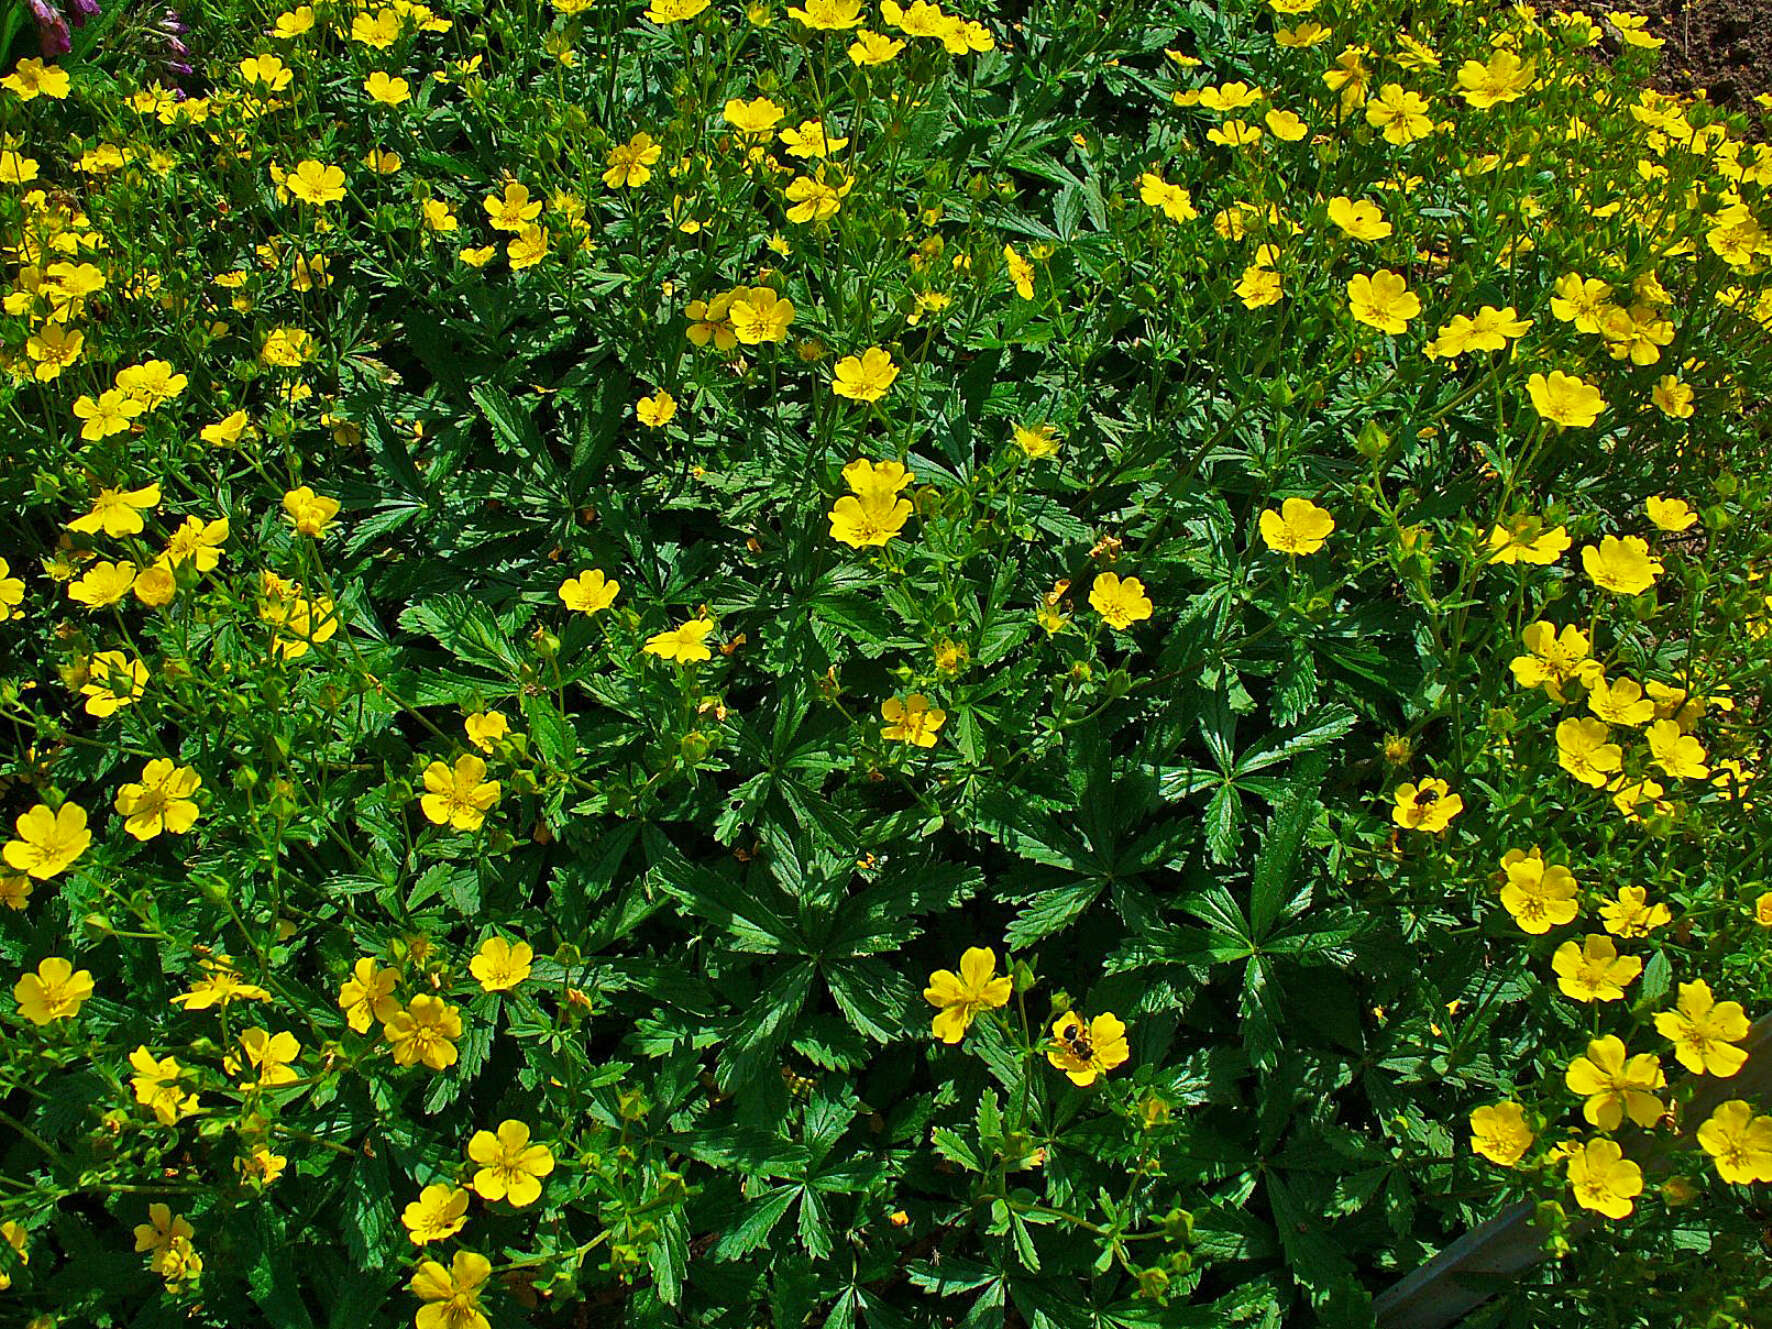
pixel 1723 46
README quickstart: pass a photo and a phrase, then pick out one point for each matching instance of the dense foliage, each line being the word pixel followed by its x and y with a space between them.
pixel 683 665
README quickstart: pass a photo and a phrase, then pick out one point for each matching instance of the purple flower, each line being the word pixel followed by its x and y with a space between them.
pixel 52 29
pixel 83 10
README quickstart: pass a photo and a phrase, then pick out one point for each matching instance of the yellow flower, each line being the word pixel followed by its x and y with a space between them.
pixel 511 1168
pixel 1429 806
pixel 261 1167
pixel 1489 329
pixel 754 315
pixel 870 519
pixel 12 592
pixel 1565 399
pixel 1704 1031
pixel 1739 1142
pixel 674 11
pixel 873 48
pixel 1603 1179
pixel 589 592
pixel 102 584
pixel 156 1085
pixel 161 802
pixel 424 1032
pixel 32 78
pixel 1584 751
pixel 963 994
pixel 1672 398
pixel 1499 1133
pixel 368 995
pixel 753 119
pixel 1037 441
pixel 1299 527
pixel 1555 659
pixel 527 248
pixel 1402 115
pixel 166 1236
pixel 1085 1051
pixel 1234 134
pixel 438 1213
pixel 452 1295
pixel 55 992
pixel 1259 286
pixel 1631 914
pixel 912 720
pixel 1285 126
pixel 485 728
pixel 1615 1084
pixel 197 542
pixel 1382 300
pixel 1175 202
pixel 1670 514
pixel 657 410
pixel 828 15
pixel 1631 29
pixel 15 891
pixel 1620 702
pixel 315 183
pixel 865 377
pixel 113 681
pixel 270 1055
pixel 458 798
pixel 110 413
pixel 500 965
pixel 1504 79
pixel 684 644
pixel 118 512
pixel 1359 221
pixel 815 198
pixel 1120 603
pixel 1524 539
pixel 1539 896
pixel 630 164
pixel 308 512
pixel 1594 970
pixel 1021 272
pixel 219 986
pixel 1676 753
pixel 387 91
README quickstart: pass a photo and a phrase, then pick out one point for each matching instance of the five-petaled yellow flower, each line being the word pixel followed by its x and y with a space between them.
pixel 438 1214
pixel 1120 603
pixel 1299 527
pixel 589 592
pixel 912 720
pixel 1603 1179
pixel 452 1295
pixel 161 802
pixel 1086 1050
pixel 684 644
pixel 1499 1133
pixel 48 841
pixel 1739 1143
pixel 511 1168
pixel 1704 1031
pixel 308 512
pixel 458 798
pixel 864 377
pixel 425 1032
pixel 977 987
pixel 55 992
pixel 500 965
pixel 1428 806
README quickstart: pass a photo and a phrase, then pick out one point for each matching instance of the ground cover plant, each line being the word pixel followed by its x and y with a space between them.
pixel 875 664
